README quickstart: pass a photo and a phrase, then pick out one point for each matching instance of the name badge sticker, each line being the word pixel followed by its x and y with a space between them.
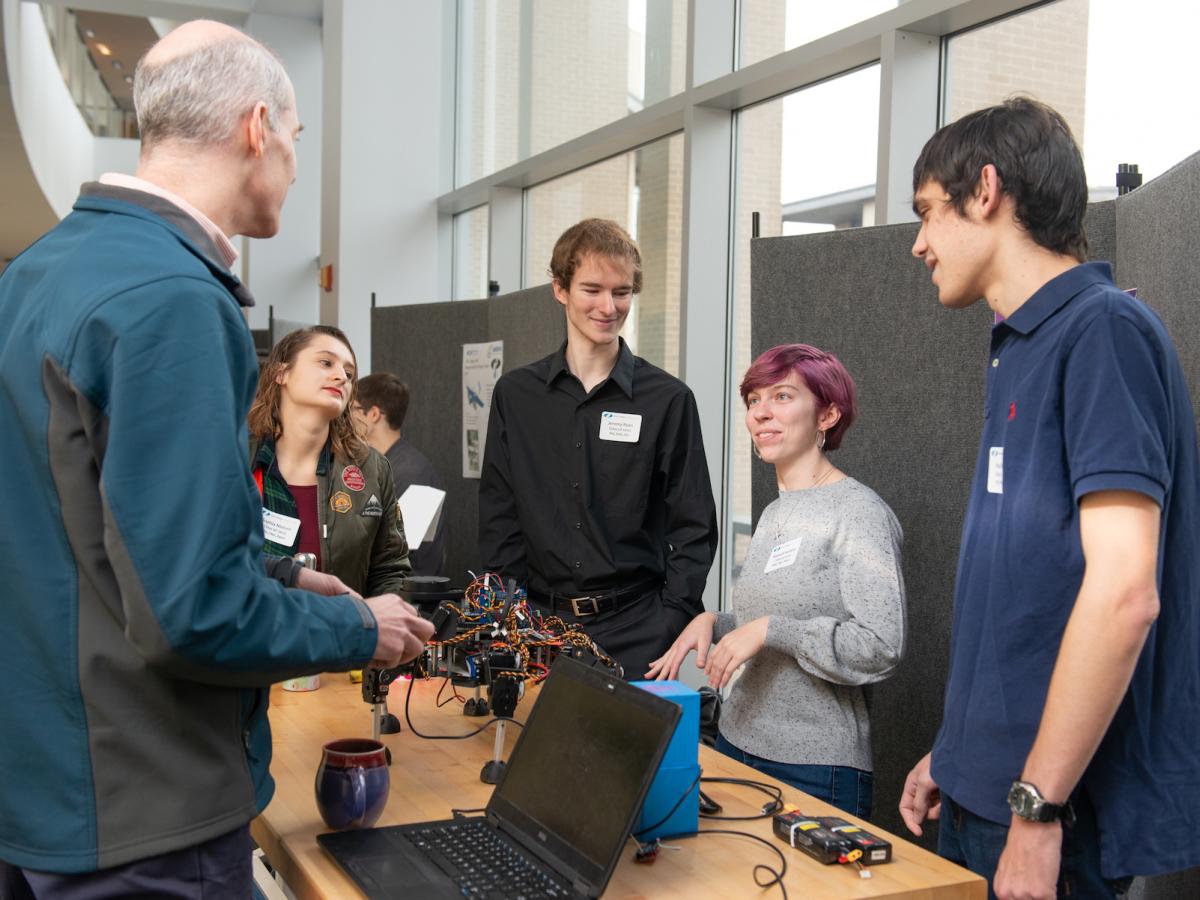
pixel 623 427
pixel 995 482
pixel 280 529
pixel 783 555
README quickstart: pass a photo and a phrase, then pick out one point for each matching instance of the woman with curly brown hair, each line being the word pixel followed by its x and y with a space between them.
pixel 324 490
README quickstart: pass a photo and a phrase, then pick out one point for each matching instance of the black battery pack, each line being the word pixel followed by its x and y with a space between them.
pixel 809 835
pixel 875 850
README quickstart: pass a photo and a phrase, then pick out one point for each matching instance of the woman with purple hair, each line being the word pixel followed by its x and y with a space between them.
pixel 818 610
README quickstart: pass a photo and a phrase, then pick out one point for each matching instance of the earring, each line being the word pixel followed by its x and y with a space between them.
pixel 820 440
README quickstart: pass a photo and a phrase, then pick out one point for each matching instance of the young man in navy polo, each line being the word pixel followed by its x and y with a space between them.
pixel 1067 759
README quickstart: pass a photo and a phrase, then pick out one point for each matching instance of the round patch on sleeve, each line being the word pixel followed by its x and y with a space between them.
pixel 352 477
pixel 341 503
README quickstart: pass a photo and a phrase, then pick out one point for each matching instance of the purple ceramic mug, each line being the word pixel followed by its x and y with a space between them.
pixel 352 783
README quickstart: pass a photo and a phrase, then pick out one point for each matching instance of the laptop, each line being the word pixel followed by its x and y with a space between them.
pixel 557 821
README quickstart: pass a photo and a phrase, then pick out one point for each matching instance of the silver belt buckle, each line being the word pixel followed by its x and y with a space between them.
pixel 580 611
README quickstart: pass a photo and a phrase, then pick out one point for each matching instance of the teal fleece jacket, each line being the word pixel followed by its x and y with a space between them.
pixel 139 632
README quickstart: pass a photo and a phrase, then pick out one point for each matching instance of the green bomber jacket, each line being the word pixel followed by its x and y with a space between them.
pixel 361 533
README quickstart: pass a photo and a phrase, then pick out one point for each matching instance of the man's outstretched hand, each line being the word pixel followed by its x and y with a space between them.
pixel 402 632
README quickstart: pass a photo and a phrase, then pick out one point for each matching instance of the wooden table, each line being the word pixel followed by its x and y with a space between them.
pixel 428 778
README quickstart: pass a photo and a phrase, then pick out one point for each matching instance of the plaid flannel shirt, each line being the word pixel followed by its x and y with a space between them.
pixel 275 493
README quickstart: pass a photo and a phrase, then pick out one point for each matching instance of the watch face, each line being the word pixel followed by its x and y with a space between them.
pixel 1021 801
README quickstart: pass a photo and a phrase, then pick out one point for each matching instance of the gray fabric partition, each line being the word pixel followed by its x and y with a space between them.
pixel 1156 229
pixel 1158 225
pixel 422 344
pixel 920 373
pixel 1101 226
pixel 530 322
pixel 281 328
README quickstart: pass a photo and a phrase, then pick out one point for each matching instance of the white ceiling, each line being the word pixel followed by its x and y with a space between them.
pixel 25 213
pixel 234 12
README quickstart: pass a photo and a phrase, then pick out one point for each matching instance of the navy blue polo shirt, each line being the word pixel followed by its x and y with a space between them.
pixel 1085 393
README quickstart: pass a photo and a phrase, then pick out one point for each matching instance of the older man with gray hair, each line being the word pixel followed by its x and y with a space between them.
pixel 140 631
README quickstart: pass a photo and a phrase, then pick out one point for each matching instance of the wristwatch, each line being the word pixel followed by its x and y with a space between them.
pixel 1027 801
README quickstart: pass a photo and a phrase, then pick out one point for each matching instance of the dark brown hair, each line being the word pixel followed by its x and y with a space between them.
pixel 602 237
pixel 263 419
pixel 1038 162
pixel 389 393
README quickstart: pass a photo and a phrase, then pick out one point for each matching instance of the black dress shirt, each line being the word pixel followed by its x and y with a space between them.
pixel 410 466
pixel 562 510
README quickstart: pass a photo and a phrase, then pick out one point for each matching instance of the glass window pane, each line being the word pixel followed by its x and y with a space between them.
pixel 805 162
pixel 471 254
pixel 772 26
pixel 1113 73
pixel 534 74
pixel 643 191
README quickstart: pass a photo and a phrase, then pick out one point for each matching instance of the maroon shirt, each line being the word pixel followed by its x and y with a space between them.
pixel 310 527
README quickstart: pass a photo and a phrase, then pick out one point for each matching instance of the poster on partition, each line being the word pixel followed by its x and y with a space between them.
pixel 481 367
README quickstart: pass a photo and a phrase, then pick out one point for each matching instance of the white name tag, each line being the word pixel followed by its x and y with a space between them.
pixel 280 529
pixel 996 470
pixel 624 427
pixel 783 555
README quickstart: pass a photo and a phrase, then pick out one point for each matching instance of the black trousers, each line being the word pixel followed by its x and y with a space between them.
pixel 636 634
pixel 13 885
pixel 218 869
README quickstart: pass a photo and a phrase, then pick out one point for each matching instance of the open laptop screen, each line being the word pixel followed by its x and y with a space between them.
pixel 580 771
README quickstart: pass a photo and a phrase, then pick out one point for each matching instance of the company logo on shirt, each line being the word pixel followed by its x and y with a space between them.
pixel 373 509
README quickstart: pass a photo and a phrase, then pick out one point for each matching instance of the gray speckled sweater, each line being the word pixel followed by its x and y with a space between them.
pixel 837 623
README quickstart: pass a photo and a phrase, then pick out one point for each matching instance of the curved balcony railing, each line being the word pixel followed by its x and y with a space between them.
pixel 101 113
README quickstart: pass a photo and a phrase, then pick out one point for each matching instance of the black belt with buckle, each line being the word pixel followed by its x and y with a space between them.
pixel 596 603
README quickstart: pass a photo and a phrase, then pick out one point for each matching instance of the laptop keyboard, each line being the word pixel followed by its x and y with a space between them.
pixel 484 865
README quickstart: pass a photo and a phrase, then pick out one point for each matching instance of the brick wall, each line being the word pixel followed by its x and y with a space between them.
pixel 1041 53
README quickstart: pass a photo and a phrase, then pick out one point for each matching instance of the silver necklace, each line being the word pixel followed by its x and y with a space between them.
pixel 779 526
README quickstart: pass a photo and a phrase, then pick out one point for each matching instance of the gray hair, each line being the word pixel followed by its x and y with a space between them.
pixel 201 96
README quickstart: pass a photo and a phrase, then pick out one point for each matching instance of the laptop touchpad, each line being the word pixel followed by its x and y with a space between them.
pixel 403 875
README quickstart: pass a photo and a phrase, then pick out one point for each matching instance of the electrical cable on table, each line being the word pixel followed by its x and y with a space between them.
pixel 449 737
pixel 768 809
pixel 776 875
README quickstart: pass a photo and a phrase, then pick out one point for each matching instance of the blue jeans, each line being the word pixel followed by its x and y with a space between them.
pixel 845 787
pixel 977 843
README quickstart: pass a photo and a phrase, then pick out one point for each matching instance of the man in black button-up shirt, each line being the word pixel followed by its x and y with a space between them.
pixel 595 492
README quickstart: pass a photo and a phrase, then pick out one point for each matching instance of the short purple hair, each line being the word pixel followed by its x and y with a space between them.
pixel 823 374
